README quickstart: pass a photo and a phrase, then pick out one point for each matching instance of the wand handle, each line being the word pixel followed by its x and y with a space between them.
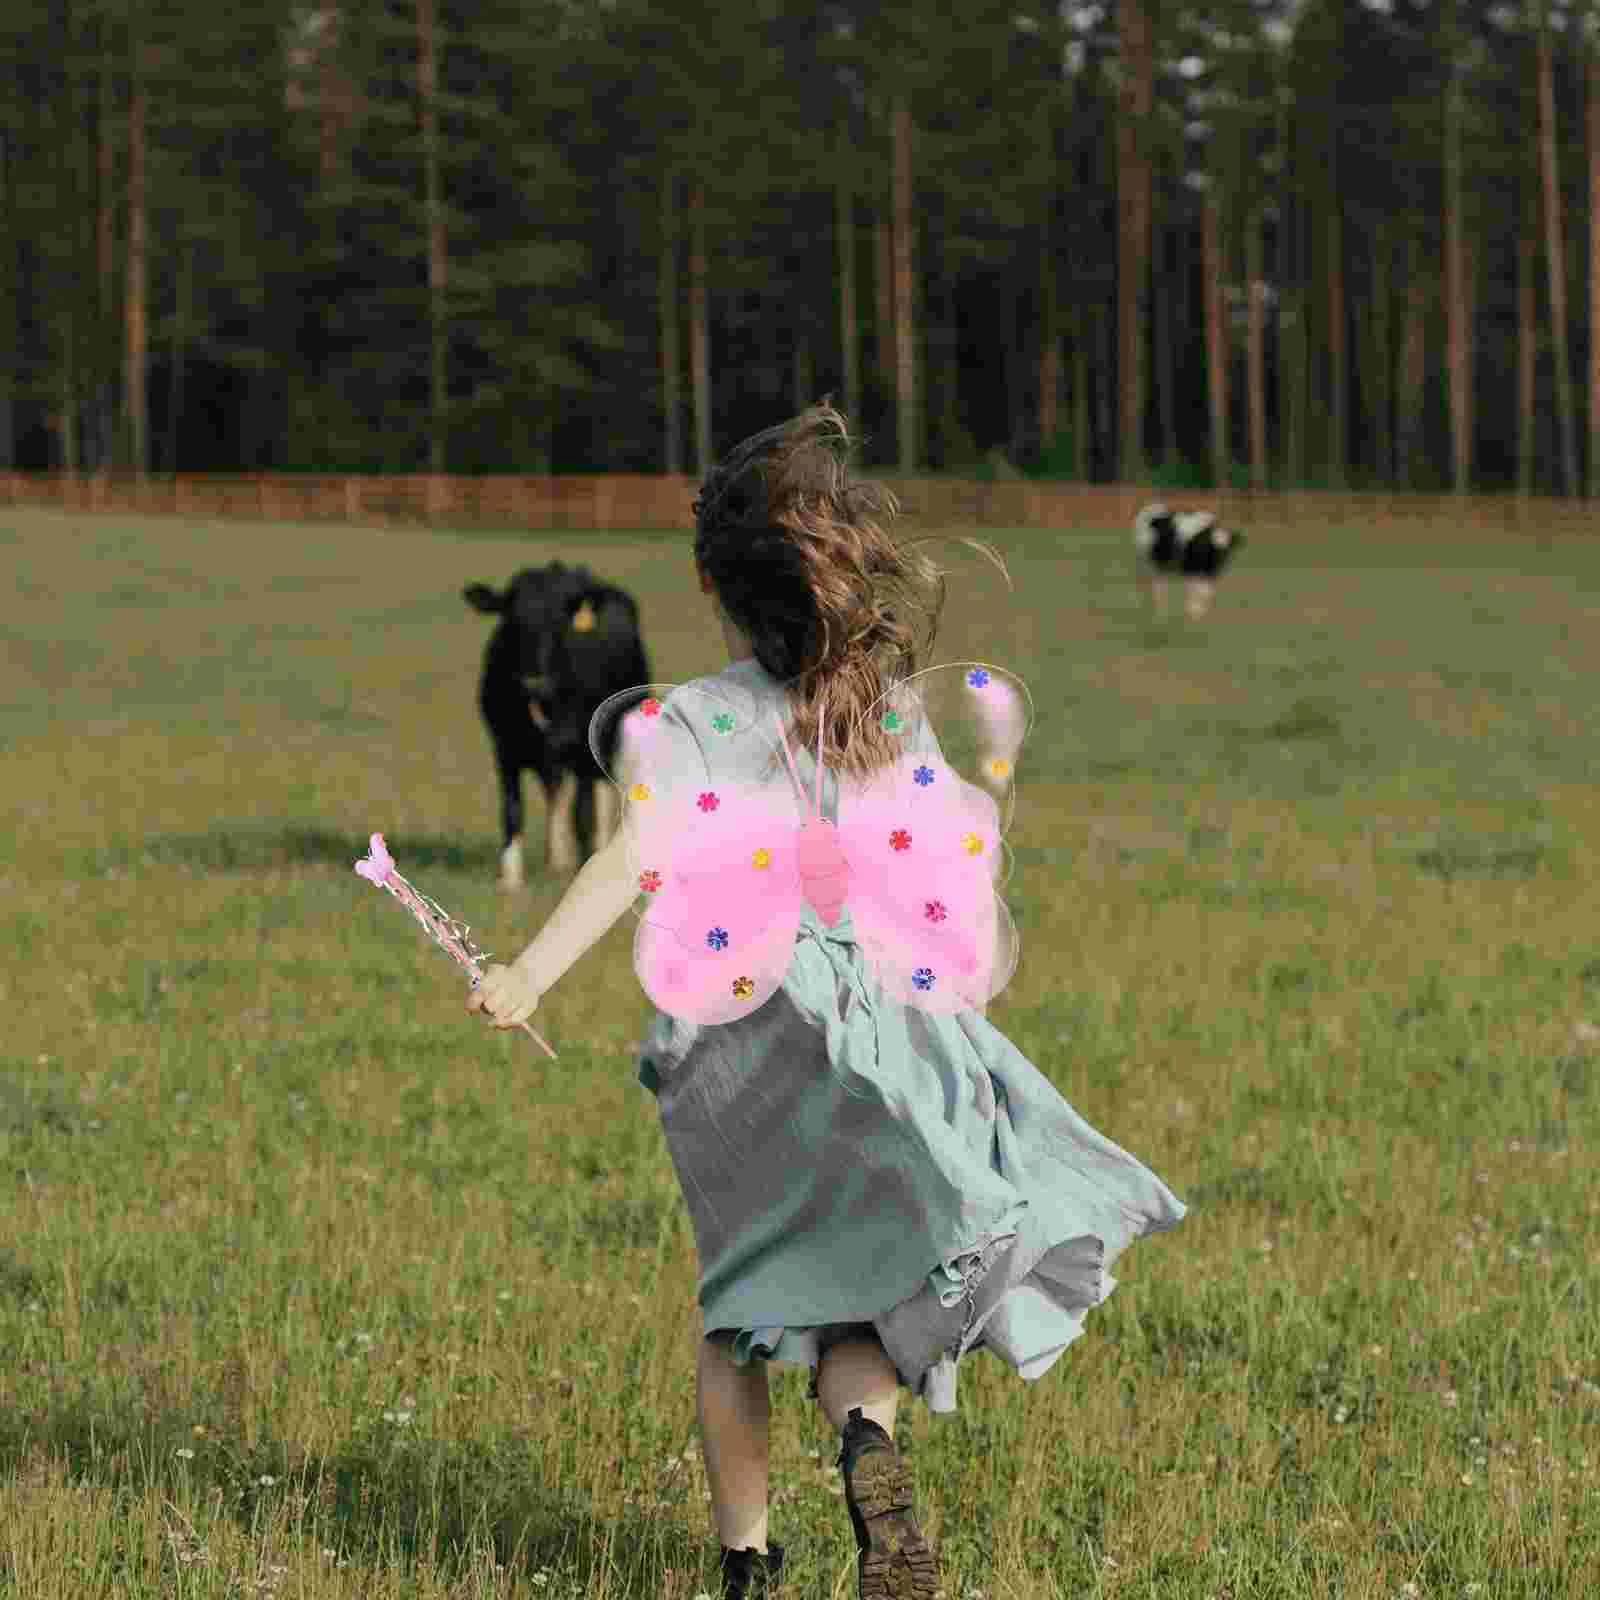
pixel 537 1037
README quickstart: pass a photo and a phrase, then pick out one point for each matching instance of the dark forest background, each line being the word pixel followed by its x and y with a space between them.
pixel 1334 244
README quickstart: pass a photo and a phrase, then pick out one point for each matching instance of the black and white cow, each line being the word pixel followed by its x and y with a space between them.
pixel 1190 544
pixel 565 643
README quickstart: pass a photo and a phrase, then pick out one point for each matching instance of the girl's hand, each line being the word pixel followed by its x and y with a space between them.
pixel 507 996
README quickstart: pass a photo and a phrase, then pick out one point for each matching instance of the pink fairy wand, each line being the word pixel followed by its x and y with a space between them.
pixel 454 938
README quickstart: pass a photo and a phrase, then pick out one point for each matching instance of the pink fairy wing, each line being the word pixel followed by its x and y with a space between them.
pixel 714 854
pixel 924 838
pixel 724 904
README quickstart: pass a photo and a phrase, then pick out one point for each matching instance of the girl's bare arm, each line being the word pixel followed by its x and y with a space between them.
pixel 601 892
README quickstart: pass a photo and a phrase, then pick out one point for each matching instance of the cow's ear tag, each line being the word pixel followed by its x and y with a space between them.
pixel 583 618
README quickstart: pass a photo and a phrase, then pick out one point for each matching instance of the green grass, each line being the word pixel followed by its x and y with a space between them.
pixel 308 1287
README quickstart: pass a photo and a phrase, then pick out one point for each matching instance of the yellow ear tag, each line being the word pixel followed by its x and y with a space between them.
pixel 583 618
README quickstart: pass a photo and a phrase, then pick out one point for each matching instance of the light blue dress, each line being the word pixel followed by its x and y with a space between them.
pixel 851 1163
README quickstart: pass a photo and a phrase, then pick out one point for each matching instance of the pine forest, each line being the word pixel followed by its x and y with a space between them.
pixel 1342 244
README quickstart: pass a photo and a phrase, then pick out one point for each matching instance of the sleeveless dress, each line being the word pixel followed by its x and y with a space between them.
pixel 853 1165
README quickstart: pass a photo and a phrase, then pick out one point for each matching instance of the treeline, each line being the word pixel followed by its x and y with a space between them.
pixel 1331 244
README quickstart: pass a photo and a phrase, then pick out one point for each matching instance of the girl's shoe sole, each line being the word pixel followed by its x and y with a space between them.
pixel 897 1563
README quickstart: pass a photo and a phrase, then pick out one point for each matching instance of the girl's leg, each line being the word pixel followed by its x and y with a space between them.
pixel 856 1372
pixel 734 1408
pixel 892 1556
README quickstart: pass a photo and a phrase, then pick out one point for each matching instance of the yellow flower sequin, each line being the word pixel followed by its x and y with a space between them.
pixel 762 858
pixel 1000 767
pixel 583 618
pixel 640 791
pixel 743 988
pixel 971 843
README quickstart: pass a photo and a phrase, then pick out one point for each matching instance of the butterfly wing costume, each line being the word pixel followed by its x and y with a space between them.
pixel 855 1143
pixel 915 856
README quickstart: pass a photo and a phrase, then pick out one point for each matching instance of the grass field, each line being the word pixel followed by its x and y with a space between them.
pixel 310 1287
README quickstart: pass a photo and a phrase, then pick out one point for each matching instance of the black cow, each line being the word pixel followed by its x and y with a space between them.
pixel 566 642
pixel 1188 543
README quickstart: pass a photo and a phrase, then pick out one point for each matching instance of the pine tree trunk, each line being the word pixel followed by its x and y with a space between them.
pixel 135 321
pixel 1290 313
pixel 699 335
pixel 1338 354
pixel 182 316
pixel 1133 208
pixel 883 287
pixel 1591 76
pixel 845 227
pixel 803 376
pixel 1556 261
pixel 105 251
pixel 1414 361
pixel 1080 393
pixel 949 387
pixel 1211 269
pixel 1457 332
pixel 1381 410
pixel 671 354
pixel 1050 329
pixel 327 59
pixel 9 317
pixel 1527 339
pixel 1255 271
pixel 438 325
pixel 1166 306
pixel 1049 345
pixel 906 421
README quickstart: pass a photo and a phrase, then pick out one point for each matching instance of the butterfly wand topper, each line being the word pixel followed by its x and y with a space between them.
pixel 454 938
pixel 728 862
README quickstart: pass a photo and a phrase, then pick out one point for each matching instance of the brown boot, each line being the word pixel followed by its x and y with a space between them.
pixel 893 1560
pixel 750 1574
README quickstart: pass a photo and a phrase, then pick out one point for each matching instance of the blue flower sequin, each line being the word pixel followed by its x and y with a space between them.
pixel 923 775
pixel 718 938
pixel 922 978
pixel 978 678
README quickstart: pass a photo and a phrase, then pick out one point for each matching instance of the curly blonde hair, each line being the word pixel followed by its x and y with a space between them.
pixel 803 564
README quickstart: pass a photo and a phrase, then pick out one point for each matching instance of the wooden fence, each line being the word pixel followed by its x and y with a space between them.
pixel 624 501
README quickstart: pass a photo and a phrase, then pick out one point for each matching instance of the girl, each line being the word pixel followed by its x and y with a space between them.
pixel 924 1141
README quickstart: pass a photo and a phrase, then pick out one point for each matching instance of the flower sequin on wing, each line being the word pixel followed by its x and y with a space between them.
pixel 978 678
pixel 650 881
pixel 723 722
pixel 923 978
pixel 923 775
pixel 583 619
pixel 718 938
pixel 743 988
pixel 900 839
pixel 650 707
pixel 761 858
pixel 971 843
pixel 935 911
pixel 640 791
pixel 708 801
pixel 1000 767
pixel 892 722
